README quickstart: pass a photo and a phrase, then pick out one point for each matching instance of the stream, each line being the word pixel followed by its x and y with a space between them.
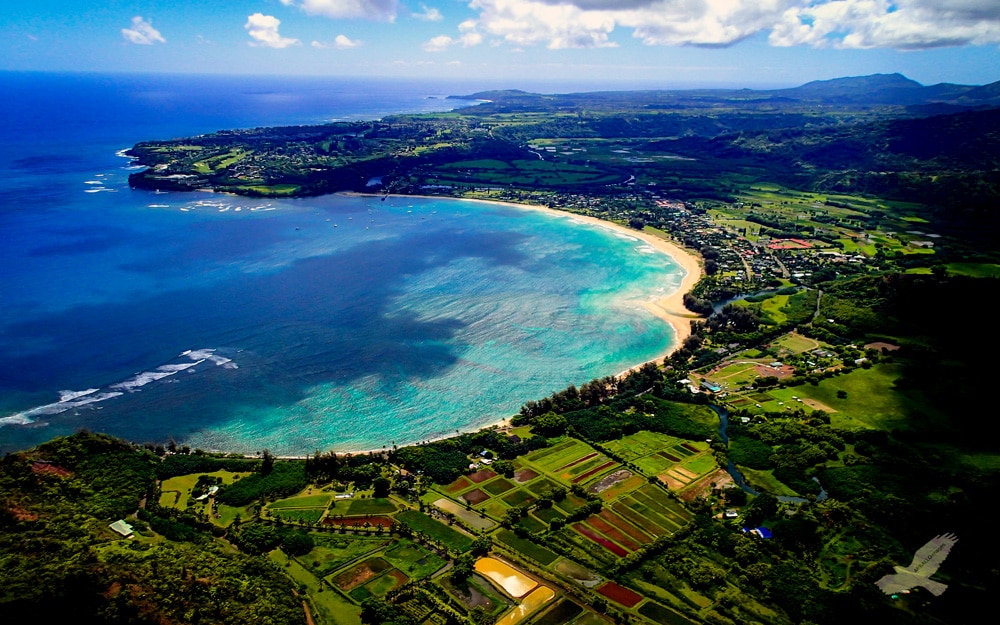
pixel 738 477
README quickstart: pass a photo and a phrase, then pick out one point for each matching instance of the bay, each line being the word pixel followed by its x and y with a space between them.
pixel 236 324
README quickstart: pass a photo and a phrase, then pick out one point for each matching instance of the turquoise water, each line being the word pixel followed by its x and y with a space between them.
pixel 343 323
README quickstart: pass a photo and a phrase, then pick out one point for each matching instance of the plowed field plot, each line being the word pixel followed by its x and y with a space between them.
pixel 578 461
pixel 619 594
pixel 621 524
pixel 458 485
pixel 525 475
pixel 596 470
pixel 475 496
pixel 360 573
pixel 589 533
pixel 482 475
pixel 605 528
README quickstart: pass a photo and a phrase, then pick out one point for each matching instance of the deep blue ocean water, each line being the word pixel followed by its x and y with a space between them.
pixel 230 323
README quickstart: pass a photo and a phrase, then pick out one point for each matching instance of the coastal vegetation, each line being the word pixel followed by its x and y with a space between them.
pixel 822 420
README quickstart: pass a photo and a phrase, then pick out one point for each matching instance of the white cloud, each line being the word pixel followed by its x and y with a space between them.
pixel 903 24
pixel 899 24
pixel 341 42
pixel 438 44
pixel 142 33
pixel 263 29
pixel 428 14
pixel 468 38
pixel 379 10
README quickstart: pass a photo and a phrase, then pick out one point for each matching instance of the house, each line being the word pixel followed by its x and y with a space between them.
pixel 122 528
pixel 731 513
pixel 710 386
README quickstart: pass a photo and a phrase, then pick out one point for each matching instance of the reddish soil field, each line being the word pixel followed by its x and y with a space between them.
pixel 619 594
pixel 359 521
pixel 624 526
pixel 459 485
pixel 669 457
pixel 524 475
pixel 400 577
pixel 482 475
pixel 577 461
pixel 475 496
pixel 360 573
pixel 50 469
pixel 600 540
pixel 594 471
pixel 612 532
pixel 690 447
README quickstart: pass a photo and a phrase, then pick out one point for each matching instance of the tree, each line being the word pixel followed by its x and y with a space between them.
pixel 381 486
pixel 267 463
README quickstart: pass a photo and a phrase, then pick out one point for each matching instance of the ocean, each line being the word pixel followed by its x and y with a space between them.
pixel 239 324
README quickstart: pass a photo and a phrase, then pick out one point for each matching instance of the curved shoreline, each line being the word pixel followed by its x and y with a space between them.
pixel 669 308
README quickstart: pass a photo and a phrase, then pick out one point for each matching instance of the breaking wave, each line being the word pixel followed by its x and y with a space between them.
pixel 71 400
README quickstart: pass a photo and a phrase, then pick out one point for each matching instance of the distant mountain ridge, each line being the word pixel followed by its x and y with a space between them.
pixel 851 91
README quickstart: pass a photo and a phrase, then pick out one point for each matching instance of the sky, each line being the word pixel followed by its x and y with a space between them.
pixel 654 43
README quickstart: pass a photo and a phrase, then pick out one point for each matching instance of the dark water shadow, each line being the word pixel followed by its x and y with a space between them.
pixel 326 319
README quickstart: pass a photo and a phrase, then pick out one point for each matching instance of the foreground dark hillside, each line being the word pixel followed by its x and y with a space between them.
pixel 60 561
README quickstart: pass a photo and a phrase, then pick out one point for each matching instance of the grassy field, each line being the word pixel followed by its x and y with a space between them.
pixel 764 481
pixel 870 400
pixel 310 501
pixel 412 559
pixel 362 507
pixel 526 547
pixel 331 552
pixel 420 522
pixel 329 607
pixel 796 343
pixel 176 491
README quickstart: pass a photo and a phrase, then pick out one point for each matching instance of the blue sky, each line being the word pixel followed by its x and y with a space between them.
pixel 637 42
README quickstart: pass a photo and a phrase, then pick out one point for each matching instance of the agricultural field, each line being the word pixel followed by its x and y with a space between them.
pixel 677 463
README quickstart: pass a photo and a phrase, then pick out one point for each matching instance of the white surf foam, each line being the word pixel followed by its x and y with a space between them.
pixel 71 395
pixel 69 400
